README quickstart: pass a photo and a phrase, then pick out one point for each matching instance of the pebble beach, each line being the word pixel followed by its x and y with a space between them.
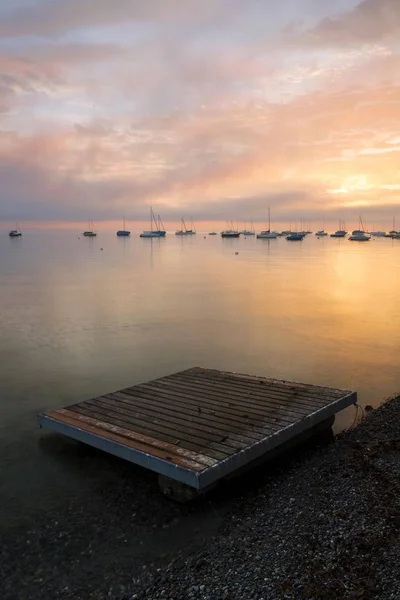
pixel 322 522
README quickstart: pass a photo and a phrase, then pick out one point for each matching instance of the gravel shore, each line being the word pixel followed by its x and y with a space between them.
pixel 326 527
pixel 320 523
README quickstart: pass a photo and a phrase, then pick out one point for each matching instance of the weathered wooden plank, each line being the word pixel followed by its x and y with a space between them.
pixel 213 393
pixel 206 415
pixel 190 455
pixel 270 380
pixel 261 404
pixel 252 423
pixel 220 429
pixel 254 388
pixel 260 420
pixel 262 399
pixel 229 408
pixel 248 380
pixel 256 391
pixel 171 435
pixel 179 425
pixel 171 439
pixel 99 429
pixel 210 390
pixel 181 402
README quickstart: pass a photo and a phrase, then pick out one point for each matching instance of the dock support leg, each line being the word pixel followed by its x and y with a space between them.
pixel 180 492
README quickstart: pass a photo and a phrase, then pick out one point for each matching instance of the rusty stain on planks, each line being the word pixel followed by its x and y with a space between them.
pixel 200 424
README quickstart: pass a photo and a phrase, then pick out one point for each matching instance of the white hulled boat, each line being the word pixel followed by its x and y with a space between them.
pixel 157 231
pixel 268 234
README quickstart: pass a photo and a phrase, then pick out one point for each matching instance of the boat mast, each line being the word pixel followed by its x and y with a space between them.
pixel 269 220
pixel 160 223
pixel 152 217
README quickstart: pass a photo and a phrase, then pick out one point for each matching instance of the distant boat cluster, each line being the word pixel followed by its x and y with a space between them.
pixel 157 230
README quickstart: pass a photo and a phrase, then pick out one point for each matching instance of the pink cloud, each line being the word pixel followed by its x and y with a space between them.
pixel 55 17
pixel 173 121
pixel 371 21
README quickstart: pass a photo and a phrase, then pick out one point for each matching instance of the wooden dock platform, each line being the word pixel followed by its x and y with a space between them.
pixel 199 425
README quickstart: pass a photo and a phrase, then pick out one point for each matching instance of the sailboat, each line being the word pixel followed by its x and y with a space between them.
pixel 341 232
pixel 286 232
pixel 14 233
pixel 268 234
pixel 183 230
pixel 123 232
pixel 156 232
pixel 377 232
pixel 360 229
pixel 213 232
pixel 359 235
pixel 322 232
pixel 89 232
pixel 393 233
pixel 230 233
pixel 295 236
pixel 246 231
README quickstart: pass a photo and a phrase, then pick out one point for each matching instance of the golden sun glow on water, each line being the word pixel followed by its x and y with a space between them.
pixel 323 311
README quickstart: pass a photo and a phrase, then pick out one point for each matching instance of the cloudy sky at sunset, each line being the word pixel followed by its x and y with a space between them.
pixel 214 109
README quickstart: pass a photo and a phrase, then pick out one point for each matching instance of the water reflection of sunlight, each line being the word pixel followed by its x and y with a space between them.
pixel 320 312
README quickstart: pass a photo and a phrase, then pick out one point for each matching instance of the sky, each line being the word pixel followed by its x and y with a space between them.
pixel 214 110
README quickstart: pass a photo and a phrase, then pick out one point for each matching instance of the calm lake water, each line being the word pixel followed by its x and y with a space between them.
pixel 81 317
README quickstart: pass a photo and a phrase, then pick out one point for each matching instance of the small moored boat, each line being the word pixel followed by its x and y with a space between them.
pixel 90 232
pixel 230 233
pixel 295 237
pixel 322 232
pixel 268 234
pixel 157 232
pixel 123 232
pixel 14 233
pixel 359 237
